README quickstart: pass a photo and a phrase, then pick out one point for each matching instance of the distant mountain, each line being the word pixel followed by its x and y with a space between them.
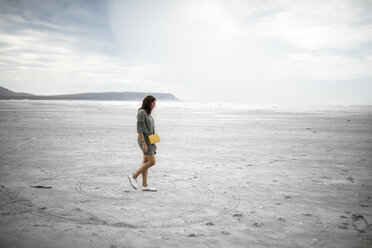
pixel 106 96
pixel 8 93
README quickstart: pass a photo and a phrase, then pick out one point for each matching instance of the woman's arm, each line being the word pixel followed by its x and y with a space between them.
pixel 142 138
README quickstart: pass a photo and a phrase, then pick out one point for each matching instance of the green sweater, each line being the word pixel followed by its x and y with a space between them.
pixel 145 125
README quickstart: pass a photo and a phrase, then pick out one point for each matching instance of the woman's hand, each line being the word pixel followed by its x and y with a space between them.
pixel 144 147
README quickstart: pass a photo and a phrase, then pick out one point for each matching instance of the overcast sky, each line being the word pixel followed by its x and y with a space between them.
pixel 280 51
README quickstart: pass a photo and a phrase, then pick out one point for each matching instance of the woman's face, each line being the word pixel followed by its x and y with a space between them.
pixel 153 104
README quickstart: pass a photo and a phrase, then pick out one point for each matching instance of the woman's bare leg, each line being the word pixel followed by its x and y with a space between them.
pixel 150 162
pixel 144 174
pixel 144 178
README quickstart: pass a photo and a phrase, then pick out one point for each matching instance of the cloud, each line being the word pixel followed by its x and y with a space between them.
pixel 241 38
pixel 33 56
pixel 324 66
pixel 315 25
pixel 55 56
pixel 325 40
pixel 197 49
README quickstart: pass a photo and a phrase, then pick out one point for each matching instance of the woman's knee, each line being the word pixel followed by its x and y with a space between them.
pixel 144 159
pixel 151 160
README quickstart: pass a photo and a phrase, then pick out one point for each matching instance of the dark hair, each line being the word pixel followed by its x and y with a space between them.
pixel 146 104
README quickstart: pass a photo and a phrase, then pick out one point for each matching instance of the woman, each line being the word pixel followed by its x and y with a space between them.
pixel 145 127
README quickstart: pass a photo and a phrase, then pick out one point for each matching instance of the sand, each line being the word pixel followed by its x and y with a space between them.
pixel 226 176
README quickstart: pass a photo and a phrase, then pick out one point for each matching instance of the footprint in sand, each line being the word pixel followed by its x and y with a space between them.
pixel 282 219
pixel 256 224
pixel 359 223
pixel 237 215
pixel 350 179
pixel 193 235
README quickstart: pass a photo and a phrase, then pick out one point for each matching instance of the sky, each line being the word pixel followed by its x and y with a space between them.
pixel 279 51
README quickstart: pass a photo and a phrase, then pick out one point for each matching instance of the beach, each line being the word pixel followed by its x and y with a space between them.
pixel 227 176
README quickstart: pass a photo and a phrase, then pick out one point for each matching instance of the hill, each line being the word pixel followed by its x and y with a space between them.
pixel 7 94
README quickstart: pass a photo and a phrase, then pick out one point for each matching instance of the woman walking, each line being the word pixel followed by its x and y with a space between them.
pixel 145 127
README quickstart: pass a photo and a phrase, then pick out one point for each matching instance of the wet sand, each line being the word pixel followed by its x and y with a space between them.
pixel 226 177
